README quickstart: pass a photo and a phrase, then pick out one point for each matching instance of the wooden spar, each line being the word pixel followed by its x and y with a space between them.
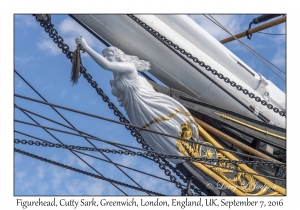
pixel 235 142
pixel 256 29
pixel 242 166
pixel 250 126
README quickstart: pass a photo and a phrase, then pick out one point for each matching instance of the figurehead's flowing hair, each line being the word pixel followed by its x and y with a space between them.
pixel 120 56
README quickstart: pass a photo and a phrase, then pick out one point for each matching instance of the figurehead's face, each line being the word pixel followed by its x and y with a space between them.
pixel 109 55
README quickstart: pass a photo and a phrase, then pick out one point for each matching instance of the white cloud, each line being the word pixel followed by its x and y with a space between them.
pixel 236 24
pixel 70 29
pixel 74 161
pixel 282 28
pixel 279 58
pixel 58 176
pixel 42 178
pixel 25 59
pixel 70 159
pixel 48 87
pixel 279 29
pixel 25 21
pixel 30 21
pixel 19 85
pixel 89 186
pixel 49 46
pixel 43 188
pixel 38 81
pixel 75 97
pixel 41 171
pixel 63 93
pixel 92 103
pixel 127 161
pixel 20 175
pixel 230 22
pixel 83 165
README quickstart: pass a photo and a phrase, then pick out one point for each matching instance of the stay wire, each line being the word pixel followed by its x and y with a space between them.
pixel 79 131
pixel 70 129
pixel 194 62
pixel 43 140
pixel 268 33
pixel 142 172
pixel 65 49
pixel 37 124
pixel 84 172
pixel 250 49
pixel 151 151
pixel 102 40
pixel 85 134
pixel 130 125
pixel 55 146
pixel 110 143
pixel 72 125
pixel 245 45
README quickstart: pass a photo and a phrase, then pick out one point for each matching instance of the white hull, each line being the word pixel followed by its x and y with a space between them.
pixel 122 32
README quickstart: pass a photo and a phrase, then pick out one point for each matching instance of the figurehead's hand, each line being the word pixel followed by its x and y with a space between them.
pixel 81 42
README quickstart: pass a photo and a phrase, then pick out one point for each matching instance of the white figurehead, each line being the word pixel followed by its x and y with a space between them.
pixel 144 106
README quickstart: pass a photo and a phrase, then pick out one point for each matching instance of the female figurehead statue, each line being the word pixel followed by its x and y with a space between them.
pixel 144 106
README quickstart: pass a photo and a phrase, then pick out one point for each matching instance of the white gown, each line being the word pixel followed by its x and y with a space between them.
pixel 152 110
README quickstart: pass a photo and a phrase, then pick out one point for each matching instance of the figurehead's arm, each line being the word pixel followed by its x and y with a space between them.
pixel 118 67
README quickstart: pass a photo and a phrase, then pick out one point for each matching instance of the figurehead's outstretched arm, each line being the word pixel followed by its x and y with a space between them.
pixel 117 67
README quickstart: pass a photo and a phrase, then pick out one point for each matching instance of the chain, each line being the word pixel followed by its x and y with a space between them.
pixel 49 28
pixel 85 172
pixel 281 173
pixel 149 153
pixel 281 155
pixel 207 67
pixel 183 178
pixel 121 123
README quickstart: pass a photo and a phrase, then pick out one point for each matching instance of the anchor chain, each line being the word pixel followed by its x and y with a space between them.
pixel 207 67
pixel 49 28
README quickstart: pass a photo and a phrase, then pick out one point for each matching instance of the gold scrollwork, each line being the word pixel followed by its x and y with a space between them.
pixel 243 183
pixel 168 117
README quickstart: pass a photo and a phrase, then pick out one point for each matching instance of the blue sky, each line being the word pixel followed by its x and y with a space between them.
pixel 47 69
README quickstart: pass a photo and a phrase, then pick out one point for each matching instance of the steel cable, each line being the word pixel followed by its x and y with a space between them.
pixel 133 126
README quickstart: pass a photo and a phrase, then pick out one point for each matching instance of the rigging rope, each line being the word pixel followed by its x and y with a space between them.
pixel 247 47
pixel 126 124
pixel 63 126
pixel 262 162
pixel 269 34
pixel 142 172
pixel 85 172
pixel 37 124
pixel 43 140
pixel 161 162
pixel 149 153
pixel 174 169
pixel 189 57
pixel 109 160
pixel 70 123
pixel 65 49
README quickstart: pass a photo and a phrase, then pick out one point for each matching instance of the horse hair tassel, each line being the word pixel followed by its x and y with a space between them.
pixel 76 63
